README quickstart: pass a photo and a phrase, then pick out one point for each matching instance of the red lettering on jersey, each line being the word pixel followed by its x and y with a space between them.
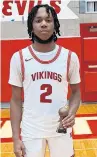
pixel 37 75
pixel 55 76
pixel 7 9
pixel 33 76
pixel 59 78
pixel 41 75
pixel 49 75
pixel 46 75
pixel 43 96
pixel 56 7
pixel 21 7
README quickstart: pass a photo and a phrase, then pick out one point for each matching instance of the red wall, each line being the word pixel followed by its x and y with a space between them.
pixel 8 47
pixel 89 58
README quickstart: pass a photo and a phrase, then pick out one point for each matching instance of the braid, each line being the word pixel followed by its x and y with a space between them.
pixel 32 15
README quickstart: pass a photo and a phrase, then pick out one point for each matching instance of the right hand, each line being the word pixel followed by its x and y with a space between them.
pixel 19 148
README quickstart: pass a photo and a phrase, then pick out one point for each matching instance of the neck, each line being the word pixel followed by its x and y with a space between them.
pixel 44 47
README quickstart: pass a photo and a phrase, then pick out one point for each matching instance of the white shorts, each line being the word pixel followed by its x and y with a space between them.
pixel 61 146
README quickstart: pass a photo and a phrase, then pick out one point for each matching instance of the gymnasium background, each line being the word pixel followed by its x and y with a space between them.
pixel 78 20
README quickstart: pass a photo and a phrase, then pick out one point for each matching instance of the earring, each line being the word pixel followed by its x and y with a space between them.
pixel 54 36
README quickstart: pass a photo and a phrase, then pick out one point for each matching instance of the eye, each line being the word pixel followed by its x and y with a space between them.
pixel 48 20
pixel 38 21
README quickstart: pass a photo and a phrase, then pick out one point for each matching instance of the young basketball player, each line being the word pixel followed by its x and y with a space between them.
pixel 43 70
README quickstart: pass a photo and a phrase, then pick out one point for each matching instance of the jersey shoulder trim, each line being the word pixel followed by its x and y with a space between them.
pixel 22 64
pixel 68 64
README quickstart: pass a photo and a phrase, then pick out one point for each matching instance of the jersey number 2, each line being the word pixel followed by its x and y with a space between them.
pixel 48 88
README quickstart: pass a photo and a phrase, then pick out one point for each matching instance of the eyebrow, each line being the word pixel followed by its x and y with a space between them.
pixel 39 17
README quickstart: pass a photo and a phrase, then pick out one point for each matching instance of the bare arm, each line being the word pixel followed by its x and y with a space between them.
pixel 74 103
pixel 16 117
pixel 16 111
pixel 74 100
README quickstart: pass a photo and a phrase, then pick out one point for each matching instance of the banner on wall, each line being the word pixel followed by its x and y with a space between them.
pixel 17 10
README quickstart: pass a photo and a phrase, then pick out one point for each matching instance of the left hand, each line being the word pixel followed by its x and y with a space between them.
pixel 68 121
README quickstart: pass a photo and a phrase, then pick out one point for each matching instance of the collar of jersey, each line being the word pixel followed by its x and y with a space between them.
pixel 48 53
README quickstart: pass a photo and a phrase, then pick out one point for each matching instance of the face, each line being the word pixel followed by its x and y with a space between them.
pixel 43 24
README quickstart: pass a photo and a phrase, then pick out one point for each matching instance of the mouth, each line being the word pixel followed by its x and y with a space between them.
pixel 44 31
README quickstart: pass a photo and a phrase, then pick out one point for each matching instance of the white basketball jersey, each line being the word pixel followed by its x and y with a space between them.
pixel 45 91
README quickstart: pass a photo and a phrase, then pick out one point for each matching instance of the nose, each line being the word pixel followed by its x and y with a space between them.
pixel 43 24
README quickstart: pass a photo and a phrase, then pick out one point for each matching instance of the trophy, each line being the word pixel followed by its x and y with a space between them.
pixel 63 112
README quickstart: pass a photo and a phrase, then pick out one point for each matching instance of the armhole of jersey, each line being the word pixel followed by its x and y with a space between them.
pixel 22 64
pixel 68 64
